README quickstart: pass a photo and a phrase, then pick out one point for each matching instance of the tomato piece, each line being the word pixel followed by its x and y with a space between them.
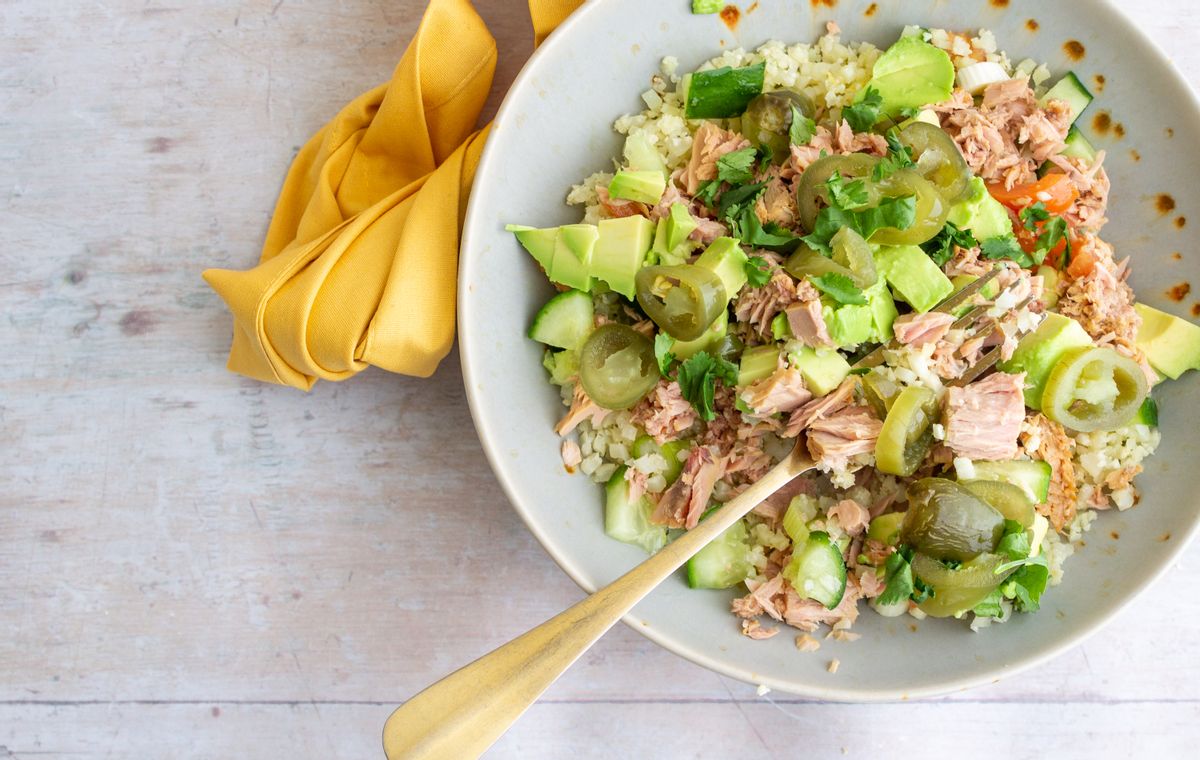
pixel 1054 191
pixel 1082 261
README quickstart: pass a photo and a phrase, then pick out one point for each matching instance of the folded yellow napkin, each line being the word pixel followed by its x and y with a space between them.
pixel 361 258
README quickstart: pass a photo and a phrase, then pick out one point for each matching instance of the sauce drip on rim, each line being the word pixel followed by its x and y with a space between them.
pixel 1074 50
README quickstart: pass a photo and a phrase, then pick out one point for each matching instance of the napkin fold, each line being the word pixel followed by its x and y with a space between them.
pixel 360 263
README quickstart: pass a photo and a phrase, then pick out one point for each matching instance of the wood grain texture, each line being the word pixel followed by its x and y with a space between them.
pixel 194 565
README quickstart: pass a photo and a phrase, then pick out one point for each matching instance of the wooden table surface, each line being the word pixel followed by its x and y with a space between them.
pixel 195 565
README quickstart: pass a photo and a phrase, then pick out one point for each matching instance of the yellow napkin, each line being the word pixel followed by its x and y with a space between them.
pixel 361 259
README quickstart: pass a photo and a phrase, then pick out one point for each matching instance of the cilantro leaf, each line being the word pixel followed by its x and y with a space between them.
pixel 737 199
pixel 891 212
pixel 754 233
pixel 1014 544
pixel 698 381
pixel 848 196
pixel 839 287
pixel 803 129
pixel 899 156
pixel 899 579
pixel 758 271
pixel 863 115
pixel 1053 231
pixel 663 344
pixel 941 247
pixel 1027 586
pixel 737 167
pixel 990 606
pixel 1031 215
pixel 1005 247
pixel 707 192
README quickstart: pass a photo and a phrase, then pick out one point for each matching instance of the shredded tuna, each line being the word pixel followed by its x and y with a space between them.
pixel 842 435
pixel 782 391
pixel 876 552
pixel 870 582
pixel 582 408
pixel 1101 301
pixel 967 261
pixel 707 231
pixel 814 410
pixel 1057 449
pixel 806 643
pixel 852 516
pixel 808 614
pixel 1091 181
pixel 637 483
pixel 777 503
pixel 777 204
pixel 1008 135
pixel 709 144
pixel 665 414
pixel 843 141
pixel 983 419
pixel 806 317
pixel 918 329
pixel 758 306
pixel 1122 478
pixel 684 502
pixel 754 630
pixel 615 208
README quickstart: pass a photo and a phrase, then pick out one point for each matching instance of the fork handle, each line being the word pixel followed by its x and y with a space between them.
pixel 463 714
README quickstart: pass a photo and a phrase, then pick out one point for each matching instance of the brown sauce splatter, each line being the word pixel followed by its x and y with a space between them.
pixel 1100 82
pixel 1115 535
pixel 1135 155
pixel 1119 130
pixel 1165 537
pixel 1196 310
pixel 731 15
pixel 1177 256
pixel 871 10
pixel 1179 292
pixel 1164 203
pixel 999 3
pixel 912 627
pixel 753 7
pixel 1102 122
pixel 1181 222
pixel 1074 50
pixel 1170 132
pixel 1032 25
pixel 826 3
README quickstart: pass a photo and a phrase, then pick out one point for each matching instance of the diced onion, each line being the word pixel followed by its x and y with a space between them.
pixel 977 76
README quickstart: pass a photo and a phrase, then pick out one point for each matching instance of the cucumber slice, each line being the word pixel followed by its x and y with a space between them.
pixel 1007 499
pixel 565 320
pixel 1031 477
pixel 723 563
pixel 669 451
pixel 629 521
pixel 1070 90
pixel 1147 414
pixel 795 519
pixel 1077 146
pixel 817 570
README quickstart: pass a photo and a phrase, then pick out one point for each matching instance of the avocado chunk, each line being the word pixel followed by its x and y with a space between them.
pixel 981 214
pixel 671 241
pixel 715 333
pixel 883 311
pixel 620 251
pixel 1040 350
pixel 823 369
pixel 911 74
pixel 989 290
pixel 913 276
pixel 727 260
pixel 757 363
pixel 640 186
pixel 539 243
pixel 1171 344
pixel 1050 277
pixel 572 262
pixel 642 156
pixel 849 324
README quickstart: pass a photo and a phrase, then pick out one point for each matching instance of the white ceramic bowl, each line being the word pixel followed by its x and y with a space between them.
pixel 555 128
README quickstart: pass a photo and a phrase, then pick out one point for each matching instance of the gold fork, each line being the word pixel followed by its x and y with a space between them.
pixel 463 714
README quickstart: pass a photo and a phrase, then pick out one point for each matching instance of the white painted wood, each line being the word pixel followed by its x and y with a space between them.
pixel 174 538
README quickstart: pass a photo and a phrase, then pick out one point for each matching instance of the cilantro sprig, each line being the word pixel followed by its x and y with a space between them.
pixel 899 156
pixel 864 114
pixel 941 247
pixel 698 378
pixel 839 287
pixel 663 344
pixel 758 271
pixel 802 130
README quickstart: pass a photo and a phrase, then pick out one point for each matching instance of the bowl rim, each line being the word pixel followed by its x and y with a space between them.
pixel 703 658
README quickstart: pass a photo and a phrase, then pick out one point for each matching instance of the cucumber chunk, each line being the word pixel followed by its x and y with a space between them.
pixel 565 321
pixel 723 563
pixel 817 570
pixel 628 521
pixel 1078 146
pixel 1031 477
pixel 1147 414
pixel 1071 91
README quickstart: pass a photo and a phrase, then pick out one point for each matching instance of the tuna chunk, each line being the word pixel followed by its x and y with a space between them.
pixel 710 143
pixel 814 410
pixel 834 439
pixel 984 418
pixel 582 408
pixel 919 329
pixel 1056 448
pixel 684 502
pixel 852 516
pixel 783 391
pixel 665 414
pixel 806 318
pixel 758 306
